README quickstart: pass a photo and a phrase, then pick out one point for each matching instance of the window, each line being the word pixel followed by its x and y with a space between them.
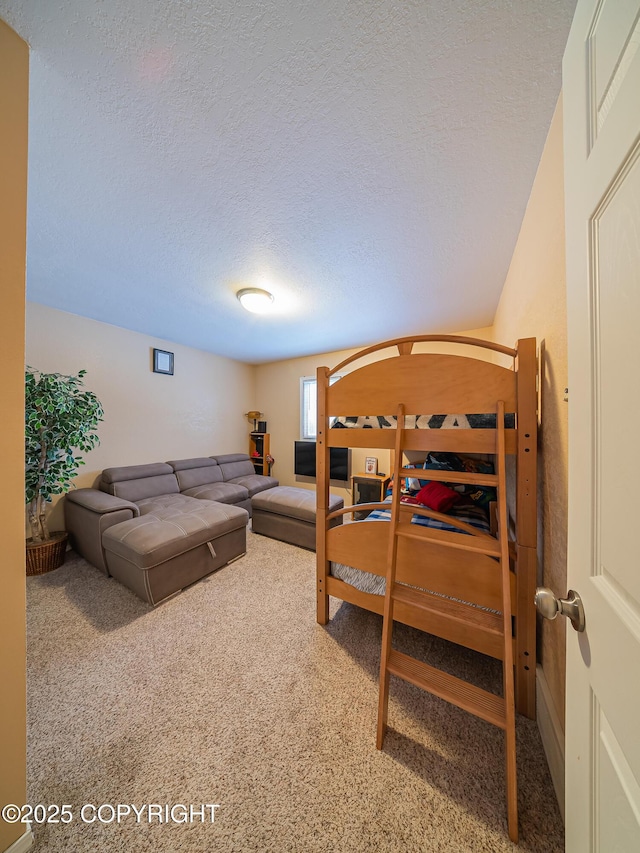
pixel 309 406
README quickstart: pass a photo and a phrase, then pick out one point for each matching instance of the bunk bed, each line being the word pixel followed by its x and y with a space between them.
pixel 469 581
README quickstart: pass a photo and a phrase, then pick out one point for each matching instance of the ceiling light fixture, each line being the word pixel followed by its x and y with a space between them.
pixel 255 300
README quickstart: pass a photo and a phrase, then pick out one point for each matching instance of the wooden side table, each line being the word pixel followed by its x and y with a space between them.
pixel 368 488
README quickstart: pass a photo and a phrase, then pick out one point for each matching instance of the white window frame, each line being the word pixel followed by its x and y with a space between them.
pixel 309 399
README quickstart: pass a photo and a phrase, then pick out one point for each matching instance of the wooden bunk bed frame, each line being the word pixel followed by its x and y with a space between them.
pixel 436 383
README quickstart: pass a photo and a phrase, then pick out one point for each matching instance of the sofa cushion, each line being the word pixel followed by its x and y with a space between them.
pixel 135 482
pixel 235 465
pixel 135 472
pixel 155 538
pixel 194 462
pixel 196 472
pixel 231 457
pixel 226 493
pixel 255 483
pixel 162 505
pixel 100 502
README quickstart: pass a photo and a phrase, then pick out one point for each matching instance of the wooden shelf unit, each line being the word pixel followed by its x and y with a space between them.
pixel 259 450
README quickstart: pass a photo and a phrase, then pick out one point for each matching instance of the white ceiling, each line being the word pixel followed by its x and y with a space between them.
pixel 367 161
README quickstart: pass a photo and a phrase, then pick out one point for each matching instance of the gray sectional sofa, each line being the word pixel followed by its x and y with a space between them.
pixel 159 527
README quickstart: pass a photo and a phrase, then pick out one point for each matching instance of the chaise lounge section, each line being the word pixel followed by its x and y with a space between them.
pixel 176 544
pixel 289 514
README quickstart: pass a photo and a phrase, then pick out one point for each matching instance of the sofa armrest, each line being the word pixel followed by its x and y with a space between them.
pixel 87 514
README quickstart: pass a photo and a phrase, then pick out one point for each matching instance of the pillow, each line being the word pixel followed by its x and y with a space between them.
pixel 437 496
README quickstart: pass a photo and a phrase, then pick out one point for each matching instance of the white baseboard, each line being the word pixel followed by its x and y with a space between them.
pixel 552 735
pixel 22 844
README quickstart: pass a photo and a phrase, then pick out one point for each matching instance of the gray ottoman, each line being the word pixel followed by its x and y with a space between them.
pixel 289 514
pixel 169 548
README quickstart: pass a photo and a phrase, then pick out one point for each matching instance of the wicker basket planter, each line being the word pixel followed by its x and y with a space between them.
pixel 46 556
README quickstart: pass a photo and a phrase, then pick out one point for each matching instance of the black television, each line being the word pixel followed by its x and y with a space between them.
pixel 305 460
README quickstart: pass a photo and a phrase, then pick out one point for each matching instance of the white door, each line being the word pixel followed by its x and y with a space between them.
pixel 601 84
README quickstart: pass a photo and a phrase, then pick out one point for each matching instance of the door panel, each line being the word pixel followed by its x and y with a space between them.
pixel 616 315
pixel 612 42
pixel 601 82
pixel 617 825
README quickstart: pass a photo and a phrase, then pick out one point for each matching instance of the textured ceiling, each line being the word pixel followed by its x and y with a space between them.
pixel 368 161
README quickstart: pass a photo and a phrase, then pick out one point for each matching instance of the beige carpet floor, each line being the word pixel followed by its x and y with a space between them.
pixel 231 694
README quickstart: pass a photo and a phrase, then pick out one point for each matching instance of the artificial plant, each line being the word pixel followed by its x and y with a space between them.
pixel 60 418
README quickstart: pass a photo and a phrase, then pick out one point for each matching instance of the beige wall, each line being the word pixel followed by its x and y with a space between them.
pixel 278 397
pixel 533 303
pixel 149 417
pixel 14 81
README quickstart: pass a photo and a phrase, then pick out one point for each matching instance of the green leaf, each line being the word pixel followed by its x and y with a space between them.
pixel 60 418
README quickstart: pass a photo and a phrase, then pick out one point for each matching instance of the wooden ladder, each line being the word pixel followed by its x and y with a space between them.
pixel 499 710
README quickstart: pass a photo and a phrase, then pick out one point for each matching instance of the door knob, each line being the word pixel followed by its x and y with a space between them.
pixel 549 606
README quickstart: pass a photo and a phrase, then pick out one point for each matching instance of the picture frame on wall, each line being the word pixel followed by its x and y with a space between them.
pixel 162 361
pixel 371 465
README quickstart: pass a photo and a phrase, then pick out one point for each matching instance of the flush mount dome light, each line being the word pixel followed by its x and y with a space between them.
pixel 255 300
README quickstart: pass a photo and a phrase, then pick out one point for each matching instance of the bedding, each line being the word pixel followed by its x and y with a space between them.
pixel 481 496
pixel 469 421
